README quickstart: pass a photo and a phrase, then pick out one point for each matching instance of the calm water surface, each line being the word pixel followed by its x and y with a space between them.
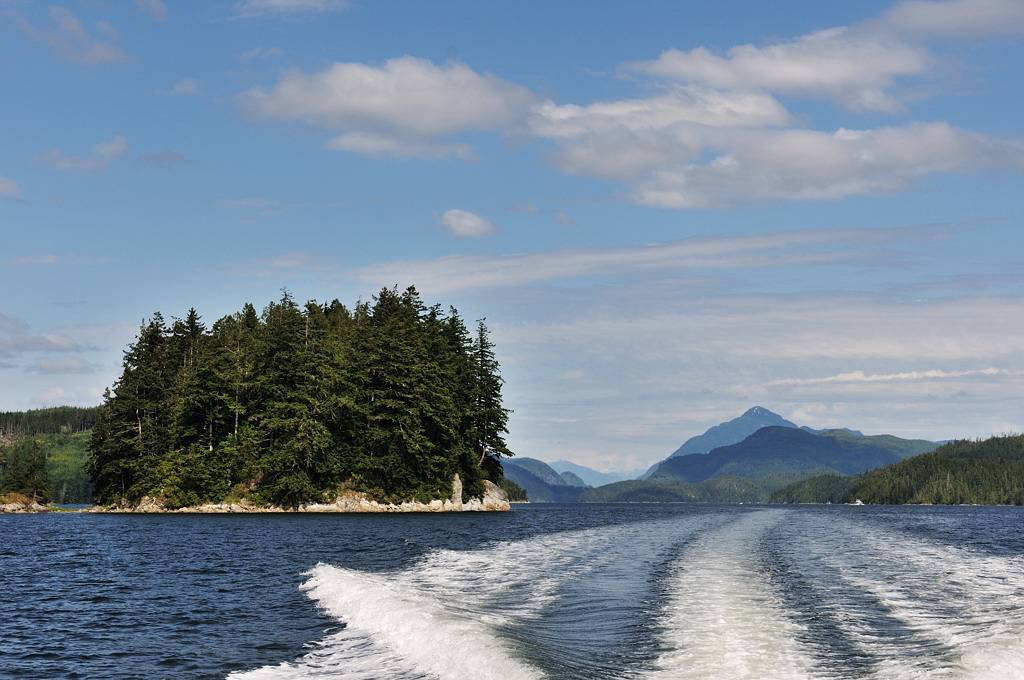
pixel 546 591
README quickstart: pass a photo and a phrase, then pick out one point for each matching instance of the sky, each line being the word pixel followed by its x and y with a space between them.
pixel 668 212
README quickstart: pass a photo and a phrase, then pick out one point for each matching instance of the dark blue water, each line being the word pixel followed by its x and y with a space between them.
pixel 546 591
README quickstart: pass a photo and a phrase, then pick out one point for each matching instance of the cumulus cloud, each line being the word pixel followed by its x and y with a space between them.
pixel 812 165
pixel 713 132
pixel 404 101
pixel 261 8
pixel 956 18
pixel 850 65
pixel 67 37
pixel 465 224
pixel 103 154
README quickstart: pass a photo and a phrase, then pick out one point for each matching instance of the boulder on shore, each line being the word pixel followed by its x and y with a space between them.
pixel 16 502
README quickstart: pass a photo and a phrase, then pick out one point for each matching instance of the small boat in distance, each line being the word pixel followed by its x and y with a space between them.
pixel 857 502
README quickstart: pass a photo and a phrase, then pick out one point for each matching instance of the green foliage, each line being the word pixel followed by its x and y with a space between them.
pixel 391 398
pixel 718 490
pixel 820 489
pixel 513 490
pixel 988 472
pixel 53 436
pixel 56 420
pixel 23 468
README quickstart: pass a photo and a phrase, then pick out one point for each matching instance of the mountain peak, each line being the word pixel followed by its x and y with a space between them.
pixel 760 411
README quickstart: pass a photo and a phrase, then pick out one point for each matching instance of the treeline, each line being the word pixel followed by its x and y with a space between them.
pixel 56 420
pixel 986 472
pixel 299 403
pixel 47 467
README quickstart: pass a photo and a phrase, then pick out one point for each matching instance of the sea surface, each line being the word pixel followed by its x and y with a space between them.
pixel 546 591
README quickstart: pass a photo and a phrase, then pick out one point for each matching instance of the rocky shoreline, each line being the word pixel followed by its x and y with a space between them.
pixel 494 499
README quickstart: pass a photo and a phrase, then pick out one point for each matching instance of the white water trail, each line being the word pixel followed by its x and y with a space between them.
pixel 969 602
pixel 442 618
pixel 724 619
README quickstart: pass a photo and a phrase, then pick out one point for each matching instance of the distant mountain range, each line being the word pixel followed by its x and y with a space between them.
pixel 593 477
pixel 543 484
pixel 744 459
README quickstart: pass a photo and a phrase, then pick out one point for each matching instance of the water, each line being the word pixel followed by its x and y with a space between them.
pixel 558 591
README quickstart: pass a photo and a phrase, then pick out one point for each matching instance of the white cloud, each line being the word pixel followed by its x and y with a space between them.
pixel 957 18
pixel 779 249
pixel 70 39
pixel 61 366
pixel 860 377
pixel 465 224
pixel 811 165
pixel 376 144
pixel 261 8
pixel 187 87
pixel 626 137
pixel 849 65
pixel 103 154
pixel 403 100
pixel 156 8
pixel 9 188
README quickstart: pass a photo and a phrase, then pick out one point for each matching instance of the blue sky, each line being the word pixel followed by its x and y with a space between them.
pixel 668 211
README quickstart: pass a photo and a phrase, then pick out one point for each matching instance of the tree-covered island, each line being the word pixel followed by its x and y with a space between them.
pixel 302 404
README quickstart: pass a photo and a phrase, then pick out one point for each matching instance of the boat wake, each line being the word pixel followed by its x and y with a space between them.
pixel 763 593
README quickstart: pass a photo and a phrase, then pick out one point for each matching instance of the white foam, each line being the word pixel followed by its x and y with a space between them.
pixel 723 619
pixel 971 603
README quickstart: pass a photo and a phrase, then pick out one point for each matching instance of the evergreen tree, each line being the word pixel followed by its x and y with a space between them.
pixel 490 418
pixel 297 404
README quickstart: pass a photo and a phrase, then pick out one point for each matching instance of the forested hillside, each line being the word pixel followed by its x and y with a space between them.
pixel 987 472
pixel 56 420
pixel 43 453
pixel 293 405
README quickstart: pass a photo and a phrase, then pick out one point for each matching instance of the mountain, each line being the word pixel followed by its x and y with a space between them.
pixel 989 472
pixel 730 432
pixel 539 469
pixel 904 448
pixel 719 490
pixel 542 484
pixel 572 479
pixel 775 454
pixel 594 477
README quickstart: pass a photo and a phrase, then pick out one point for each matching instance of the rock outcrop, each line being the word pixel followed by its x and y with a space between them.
pixel 15 502
pixel 494 500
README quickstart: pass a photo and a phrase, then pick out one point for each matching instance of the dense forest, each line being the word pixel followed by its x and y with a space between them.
pixel 56 420
pixel 299 403
pixel 43 453
pixel 989 472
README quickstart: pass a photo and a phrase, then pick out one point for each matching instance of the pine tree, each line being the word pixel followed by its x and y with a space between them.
pixel 490 418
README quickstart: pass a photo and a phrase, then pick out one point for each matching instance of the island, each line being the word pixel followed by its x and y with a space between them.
pixel 387 406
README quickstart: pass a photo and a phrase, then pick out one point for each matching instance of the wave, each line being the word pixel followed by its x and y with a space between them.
pixel 911 607
pixel 458 614
pixel 723 619
pixel 760 593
